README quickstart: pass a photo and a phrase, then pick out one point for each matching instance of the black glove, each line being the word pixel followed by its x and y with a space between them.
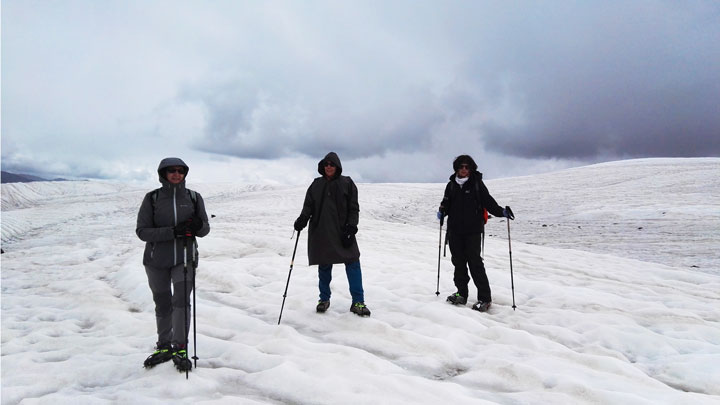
pixel 195 224
pixel 181 230
pixel 350 229
pixel 189 227
pixel 507 213
pixel 348 236
pixel 300 223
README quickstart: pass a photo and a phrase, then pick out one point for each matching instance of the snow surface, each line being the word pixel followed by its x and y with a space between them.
pixel 606 312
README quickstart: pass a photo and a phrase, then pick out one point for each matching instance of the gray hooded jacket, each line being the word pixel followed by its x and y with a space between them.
pixel 330 205
pixel 156 220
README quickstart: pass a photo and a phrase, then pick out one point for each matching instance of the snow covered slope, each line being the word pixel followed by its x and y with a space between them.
pixel 593 325
pixel 661 210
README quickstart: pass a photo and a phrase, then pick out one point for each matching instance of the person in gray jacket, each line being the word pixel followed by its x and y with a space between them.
pixel 168 218
pixel 331 206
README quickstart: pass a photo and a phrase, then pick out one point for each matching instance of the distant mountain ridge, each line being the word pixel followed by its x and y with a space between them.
pixel 8 177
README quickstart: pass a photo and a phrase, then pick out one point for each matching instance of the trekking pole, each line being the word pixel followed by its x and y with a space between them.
pixel 437 290
pixel 446 243
pixel 512 282
pixel 482 244
pixel 292 261
pixel 185 256
pixel 194 307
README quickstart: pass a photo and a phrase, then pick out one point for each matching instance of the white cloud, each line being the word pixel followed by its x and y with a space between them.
pixel 375 82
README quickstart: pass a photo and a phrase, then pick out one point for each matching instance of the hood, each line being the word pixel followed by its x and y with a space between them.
pixel 171 161
pixel 333 157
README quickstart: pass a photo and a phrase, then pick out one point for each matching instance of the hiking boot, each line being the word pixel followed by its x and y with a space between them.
pixel 322 306
pixel 360 309
pixel 180 358
pixel 482 306
pixel 162 353
pixel 457 299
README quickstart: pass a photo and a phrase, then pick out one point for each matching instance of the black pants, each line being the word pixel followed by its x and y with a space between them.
pixel 465 250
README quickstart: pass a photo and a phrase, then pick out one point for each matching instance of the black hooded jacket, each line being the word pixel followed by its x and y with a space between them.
pixel 464 205
pixel 331 205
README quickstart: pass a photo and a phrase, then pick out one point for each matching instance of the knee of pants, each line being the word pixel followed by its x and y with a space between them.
pixel 179 299
pixel 476 264
pixel 459 261
pixel 163 303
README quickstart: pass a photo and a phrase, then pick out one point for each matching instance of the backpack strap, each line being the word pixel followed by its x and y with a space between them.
pixel 485 216
pixel 155 195
pixel 477 197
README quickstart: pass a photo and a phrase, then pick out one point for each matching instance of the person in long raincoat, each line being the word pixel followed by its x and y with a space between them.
pixel 332 209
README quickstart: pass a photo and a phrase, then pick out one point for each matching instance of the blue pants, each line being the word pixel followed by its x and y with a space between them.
pixel 354 276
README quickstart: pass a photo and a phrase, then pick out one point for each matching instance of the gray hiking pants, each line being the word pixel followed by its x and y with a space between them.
pixel 168 290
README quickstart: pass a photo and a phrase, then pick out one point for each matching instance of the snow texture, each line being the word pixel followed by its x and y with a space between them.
pixel 616 282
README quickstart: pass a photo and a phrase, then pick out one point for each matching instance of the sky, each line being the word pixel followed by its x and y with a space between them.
pixel 259 92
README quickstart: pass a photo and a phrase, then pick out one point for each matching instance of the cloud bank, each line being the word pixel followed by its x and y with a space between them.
pixel 397 89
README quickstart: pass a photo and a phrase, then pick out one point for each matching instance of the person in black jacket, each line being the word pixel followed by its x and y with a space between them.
pixel 170 217
pixel 331 206
pixel 464 202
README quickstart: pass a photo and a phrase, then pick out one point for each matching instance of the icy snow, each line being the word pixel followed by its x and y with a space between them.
pixel 616 273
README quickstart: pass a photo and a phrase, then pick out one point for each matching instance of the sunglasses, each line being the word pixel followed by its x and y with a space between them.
pixel 464 166
pixel 331 164
pixel 175 170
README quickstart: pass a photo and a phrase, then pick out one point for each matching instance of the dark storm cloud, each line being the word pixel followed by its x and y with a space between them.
pixel 573 81
pixel 400 87
pixel 641 80
pixel 263 122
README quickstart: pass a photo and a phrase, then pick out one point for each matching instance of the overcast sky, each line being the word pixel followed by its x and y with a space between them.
pixel 259 91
